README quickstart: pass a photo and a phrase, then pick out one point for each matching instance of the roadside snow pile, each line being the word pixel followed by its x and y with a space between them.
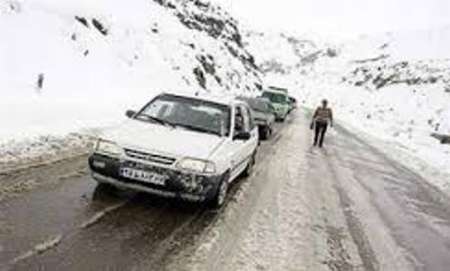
pixel 375 88
pixel 42 150
pixel 72 65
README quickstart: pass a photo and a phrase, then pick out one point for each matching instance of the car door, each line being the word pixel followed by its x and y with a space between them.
pixel 270 114
pixel 252 143
pixel 242 149
pixel 237 144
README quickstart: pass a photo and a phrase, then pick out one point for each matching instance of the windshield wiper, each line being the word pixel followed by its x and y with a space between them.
pixel 157 120
pixel 197 129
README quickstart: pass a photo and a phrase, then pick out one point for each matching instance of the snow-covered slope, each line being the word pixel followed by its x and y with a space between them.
pixel 71 65
pixel 405 45
pixel 96 58
pixel 395 87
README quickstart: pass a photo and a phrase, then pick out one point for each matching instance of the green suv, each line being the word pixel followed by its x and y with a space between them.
pixel 279 101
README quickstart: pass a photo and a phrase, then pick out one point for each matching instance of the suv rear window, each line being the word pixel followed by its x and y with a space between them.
pixel 258 104
pixel 275 97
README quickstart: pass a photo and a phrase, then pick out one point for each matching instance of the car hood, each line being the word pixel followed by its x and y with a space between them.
pixel 260 115
pixel 155 138
pixel 279 105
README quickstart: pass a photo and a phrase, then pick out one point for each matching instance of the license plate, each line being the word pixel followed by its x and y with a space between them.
pixel 143 176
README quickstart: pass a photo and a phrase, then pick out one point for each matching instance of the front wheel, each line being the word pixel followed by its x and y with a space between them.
pixel 104 191
pixel 221 194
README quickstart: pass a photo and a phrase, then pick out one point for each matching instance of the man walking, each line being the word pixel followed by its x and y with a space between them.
pixel 322 117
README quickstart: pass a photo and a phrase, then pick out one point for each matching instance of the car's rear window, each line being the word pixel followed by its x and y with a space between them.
pixel 258 105
pixel 274 97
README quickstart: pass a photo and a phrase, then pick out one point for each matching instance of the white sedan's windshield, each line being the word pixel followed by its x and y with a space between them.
pixel 189 113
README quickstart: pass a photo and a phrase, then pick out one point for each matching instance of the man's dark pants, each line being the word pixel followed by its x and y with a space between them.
pixel 320 130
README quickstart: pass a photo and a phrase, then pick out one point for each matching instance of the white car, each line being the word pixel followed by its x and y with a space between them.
pixel 179 146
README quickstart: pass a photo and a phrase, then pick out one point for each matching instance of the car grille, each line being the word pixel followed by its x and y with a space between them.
pixel 154 158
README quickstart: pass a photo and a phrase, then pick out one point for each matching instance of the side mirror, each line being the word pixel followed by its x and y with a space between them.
pixel 242 136
pixel 130 113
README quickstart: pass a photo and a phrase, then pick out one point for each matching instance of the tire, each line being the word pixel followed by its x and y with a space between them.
pixel 104 191
pixel 105 187
pixel 265 133
pixel 221 194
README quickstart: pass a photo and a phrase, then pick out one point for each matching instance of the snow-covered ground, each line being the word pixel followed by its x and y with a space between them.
pixel 68 66
pixel 394 88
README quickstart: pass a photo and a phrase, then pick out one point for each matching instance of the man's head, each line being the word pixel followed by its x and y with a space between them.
pixel 324 103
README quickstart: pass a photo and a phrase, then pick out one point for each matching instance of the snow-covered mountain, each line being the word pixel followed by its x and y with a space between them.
pixel 70 65
pixel 395 87
pixel 405 45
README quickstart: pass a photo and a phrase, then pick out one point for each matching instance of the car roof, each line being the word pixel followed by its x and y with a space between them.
pixel 282 89
pixel 275 91
pixel 223 99
pixel 258 98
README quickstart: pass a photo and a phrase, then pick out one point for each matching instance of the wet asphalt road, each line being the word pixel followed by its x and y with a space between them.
pixel 367 211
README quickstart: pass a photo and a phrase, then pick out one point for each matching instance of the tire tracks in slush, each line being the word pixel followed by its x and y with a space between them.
pixel 405 205
pixel 355 228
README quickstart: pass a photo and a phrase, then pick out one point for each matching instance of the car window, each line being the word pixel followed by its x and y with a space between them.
pixel 159 109
pixel 259 105
pixel 239 124
pixel 275 97
pixel 188 113
pixel 243 119
pixel 249 118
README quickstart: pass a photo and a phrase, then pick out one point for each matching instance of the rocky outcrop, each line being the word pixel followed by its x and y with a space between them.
pixel 213 21
pixel 444 139
pixel 378 73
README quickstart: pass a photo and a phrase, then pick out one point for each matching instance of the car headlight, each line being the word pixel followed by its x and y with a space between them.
pixel 197 165
pixel 108 147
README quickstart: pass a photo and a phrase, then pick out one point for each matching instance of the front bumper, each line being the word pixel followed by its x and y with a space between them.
pixel 281 113
pixel 280 116
pixel 186 186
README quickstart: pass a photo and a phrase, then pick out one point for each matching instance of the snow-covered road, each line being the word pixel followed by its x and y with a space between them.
pixel 346 207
